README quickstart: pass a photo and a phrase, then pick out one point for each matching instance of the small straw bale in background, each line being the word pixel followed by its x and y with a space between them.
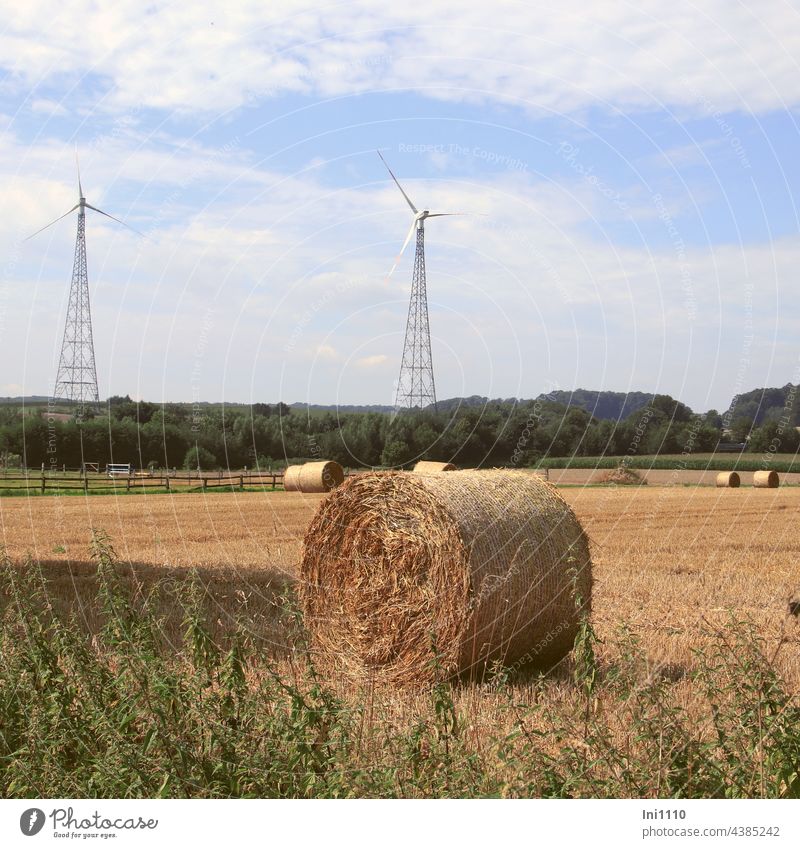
pixel 766 479
pixel 425 466
pixel 728 480
pixel 291 478
pixel 485 565
pixel 313 477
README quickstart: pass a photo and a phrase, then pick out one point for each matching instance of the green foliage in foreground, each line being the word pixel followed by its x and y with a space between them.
pixel 122 715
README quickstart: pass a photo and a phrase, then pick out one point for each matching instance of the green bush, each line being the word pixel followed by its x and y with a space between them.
pixel 199 457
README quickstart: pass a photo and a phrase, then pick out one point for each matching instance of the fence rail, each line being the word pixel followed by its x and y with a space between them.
pixel 67 480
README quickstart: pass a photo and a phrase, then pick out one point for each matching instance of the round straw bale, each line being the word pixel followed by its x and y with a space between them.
pixel 425 466
pixel 313 477
pixel 485 565
pixel 291 478
pixel 728 480
pixel 766 479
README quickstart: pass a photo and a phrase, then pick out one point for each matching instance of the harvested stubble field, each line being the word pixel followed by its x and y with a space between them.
pixel 673 567
pixel 663 557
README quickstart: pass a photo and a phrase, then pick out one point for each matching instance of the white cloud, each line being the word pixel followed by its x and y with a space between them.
pixel 376 361
pixel 328 352
pixel 47 107
pixel 561 57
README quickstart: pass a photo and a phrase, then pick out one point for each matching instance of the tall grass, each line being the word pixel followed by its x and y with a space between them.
pixel 122 713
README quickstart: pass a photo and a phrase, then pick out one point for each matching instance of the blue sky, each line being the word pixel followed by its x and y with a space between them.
pixel 632 170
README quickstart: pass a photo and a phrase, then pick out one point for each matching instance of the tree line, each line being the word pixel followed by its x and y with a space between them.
pixel 501 433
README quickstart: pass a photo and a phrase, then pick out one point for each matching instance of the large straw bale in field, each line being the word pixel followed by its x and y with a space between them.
pixel 488 565
pixel 426 466
pixel 313 477
pixel 728 480
pixel 766 479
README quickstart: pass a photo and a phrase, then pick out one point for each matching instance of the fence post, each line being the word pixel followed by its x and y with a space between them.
pixel 203 484
pixel 128 484
pixel 241 482
pixel 43 480
pixel 167 479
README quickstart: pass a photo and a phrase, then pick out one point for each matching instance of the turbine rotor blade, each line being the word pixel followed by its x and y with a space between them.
pixel 89 206
pixel 408 199
pixel 52 222
pixel 78 165
pixel 402 249
pixel 445 214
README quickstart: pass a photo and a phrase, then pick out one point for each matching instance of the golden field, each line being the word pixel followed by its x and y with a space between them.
pixel 673 565
pixel 669 562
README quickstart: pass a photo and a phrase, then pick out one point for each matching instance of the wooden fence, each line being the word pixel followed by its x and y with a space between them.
pixel 168 480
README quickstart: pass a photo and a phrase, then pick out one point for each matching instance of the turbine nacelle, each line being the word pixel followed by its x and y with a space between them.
pixel 82 205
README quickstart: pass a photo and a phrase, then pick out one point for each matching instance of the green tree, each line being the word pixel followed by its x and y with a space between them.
pixel 672 409
pixel 198 457
pixel 741 427
pixel 772 437
pixel 397 453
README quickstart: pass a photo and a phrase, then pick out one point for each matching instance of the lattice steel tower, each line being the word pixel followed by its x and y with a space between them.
pixel 416 386
pixel 77 375
pixel 76 380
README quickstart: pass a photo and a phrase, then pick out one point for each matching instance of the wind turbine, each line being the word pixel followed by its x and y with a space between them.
pixel 416 386
pixel 76 379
